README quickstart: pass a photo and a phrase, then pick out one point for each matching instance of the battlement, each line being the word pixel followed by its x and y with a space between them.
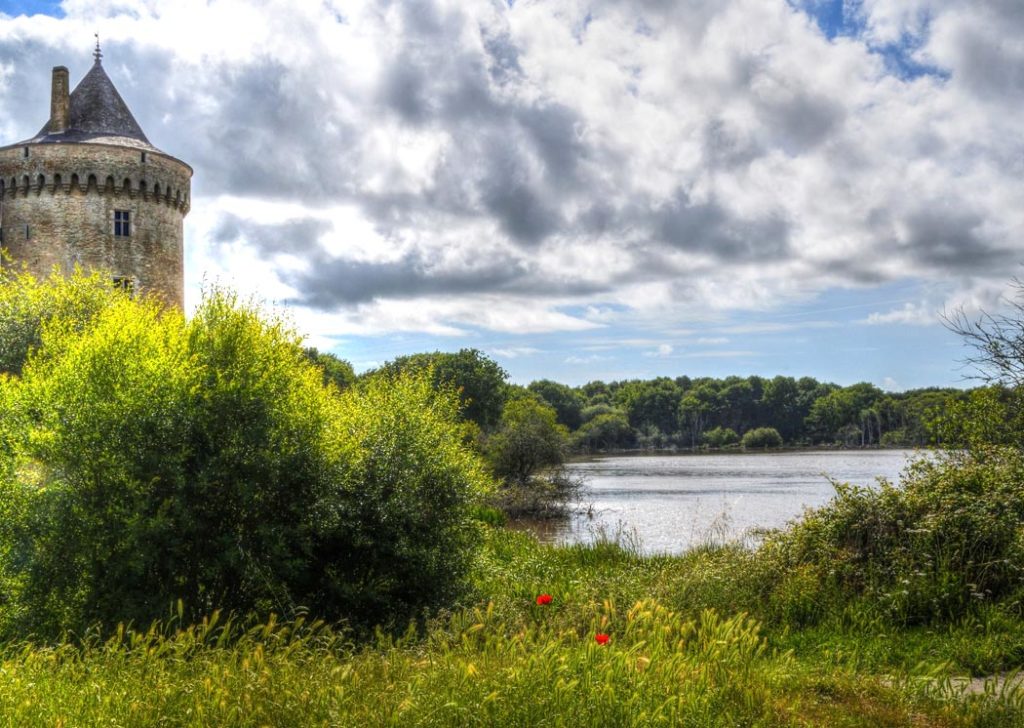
pixel 85 182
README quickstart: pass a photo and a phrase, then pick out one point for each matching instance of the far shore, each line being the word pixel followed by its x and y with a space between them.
pixel 788 449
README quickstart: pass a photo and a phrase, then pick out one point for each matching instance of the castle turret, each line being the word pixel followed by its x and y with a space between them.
pixel 90 190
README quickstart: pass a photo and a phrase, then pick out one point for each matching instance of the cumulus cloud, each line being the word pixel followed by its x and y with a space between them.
pixel 555 166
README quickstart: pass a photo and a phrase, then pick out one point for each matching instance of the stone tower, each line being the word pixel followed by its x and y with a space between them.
pixel 90 190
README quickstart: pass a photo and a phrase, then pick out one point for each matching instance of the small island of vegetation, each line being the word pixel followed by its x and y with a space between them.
pixel 203 522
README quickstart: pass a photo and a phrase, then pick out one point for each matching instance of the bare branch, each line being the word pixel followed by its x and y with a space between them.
pixel 997 340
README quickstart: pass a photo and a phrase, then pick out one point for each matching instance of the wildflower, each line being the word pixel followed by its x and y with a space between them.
pixel 544 599
pixel 601 638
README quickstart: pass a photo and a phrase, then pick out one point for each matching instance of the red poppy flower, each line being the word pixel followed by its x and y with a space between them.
pixel 602 639
pixel 544 599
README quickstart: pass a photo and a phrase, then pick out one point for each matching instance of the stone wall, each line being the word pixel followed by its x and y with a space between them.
pixel 57 204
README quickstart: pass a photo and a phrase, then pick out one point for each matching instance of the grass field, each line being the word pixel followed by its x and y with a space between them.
pixel 687 646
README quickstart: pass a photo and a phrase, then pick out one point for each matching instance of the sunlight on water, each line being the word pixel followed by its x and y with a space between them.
pixel 674 502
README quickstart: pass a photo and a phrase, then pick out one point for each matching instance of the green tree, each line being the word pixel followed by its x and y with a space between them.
pixel 529 437
pixel 652 403
pixel 605 432
pixel 479 381
pixel 336 370
pixel 782 407
pixel 696 408
pixel 567 403
pixel 592 411
pixel 848 410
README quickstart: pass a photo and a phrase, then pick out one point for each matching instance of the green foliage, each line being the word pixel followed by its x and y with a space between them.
pixel 509 661
pixel 720 437
pixel 605 432
pixel 478 380
pixel 761 438
pixel 943 544
pixel 847 409
pixel 650 404
pixel 567 403
pixel 336 371
pixel 27 304
pixel 991 415
pixel 528 438
pixel 591 411
pixel 397 526
pixel 696 408
pixel 158 459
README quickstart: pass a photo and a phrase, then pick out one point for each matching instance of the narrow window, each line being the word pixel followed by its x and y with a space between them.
pixel 24 152
pixel 122 224
pixel 27 231
pixel 143 157
pixel 126 284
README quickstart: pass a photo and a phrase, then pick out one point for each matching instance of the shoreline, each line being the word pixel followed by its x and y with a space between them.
pixel 786 449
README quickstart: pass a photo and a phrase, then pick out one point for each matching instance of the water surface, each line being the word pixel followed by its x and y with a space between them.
pixel 673 502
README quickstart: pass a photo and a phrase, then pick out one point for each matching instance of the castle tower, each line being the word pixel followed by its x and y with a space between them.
pixel 90 190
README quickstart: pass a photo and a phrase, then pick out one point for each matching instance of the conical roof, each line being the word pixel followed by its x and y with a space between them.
pixel 98 115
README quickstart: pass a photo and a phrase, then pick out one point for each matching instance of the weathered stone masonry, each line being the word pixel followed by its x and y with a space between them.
pixel 64 193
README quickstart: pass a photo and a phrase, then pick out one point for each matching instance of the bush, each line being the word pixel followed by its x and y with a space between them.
pixel 157 459
pixel 529 438
pixel 720 437
pixel 762 438
pixel 27 304
pixel 949 540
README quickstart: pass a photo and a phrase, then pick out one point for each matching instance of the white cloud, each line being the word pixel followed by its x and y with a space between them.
pixel 465 165
pixel 516 352
pixel 890 385
pixel 663 351
pixel 910 313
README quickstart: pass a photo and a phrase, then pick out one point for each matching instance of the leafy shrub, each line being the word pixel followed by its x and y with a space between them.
pixel 949 539
pixel 158 459
pixel 762 437
pixel 28 303
pixel 720 437
pixel 895 438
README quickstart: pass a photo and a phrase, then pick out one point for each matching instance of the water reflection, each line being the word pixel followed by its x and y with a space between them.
pixel 673 502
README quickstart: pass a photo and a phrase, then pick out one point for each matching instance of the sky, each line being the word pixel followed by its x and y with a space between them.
pixel 603 189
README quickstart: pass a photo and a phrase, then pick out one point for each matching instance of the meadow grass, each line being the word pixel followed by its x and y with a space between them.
pixel 689 646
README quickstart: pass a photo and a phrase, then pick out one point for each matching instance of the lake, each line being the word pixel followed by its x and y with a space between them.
pixel 672 502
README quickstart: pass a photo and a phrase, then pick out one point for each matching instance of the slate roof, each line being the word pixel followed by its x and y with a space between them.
pixel 97 115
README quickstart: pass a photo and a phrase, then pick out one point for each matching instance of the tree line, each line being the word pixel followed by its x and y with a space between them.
pixel 688 412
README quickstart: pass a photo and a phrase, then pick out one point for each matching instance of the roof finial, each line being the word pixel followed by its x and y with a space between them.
pixel 97 54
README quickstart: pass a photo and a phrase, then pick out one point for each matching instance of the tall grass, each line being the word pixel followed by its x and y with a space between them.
pixel 671 660
pixel 795 633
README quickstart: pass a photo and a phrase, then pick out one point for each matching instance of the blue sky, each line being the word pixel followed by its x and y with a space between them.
pixel 32 7
pixel 583 189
